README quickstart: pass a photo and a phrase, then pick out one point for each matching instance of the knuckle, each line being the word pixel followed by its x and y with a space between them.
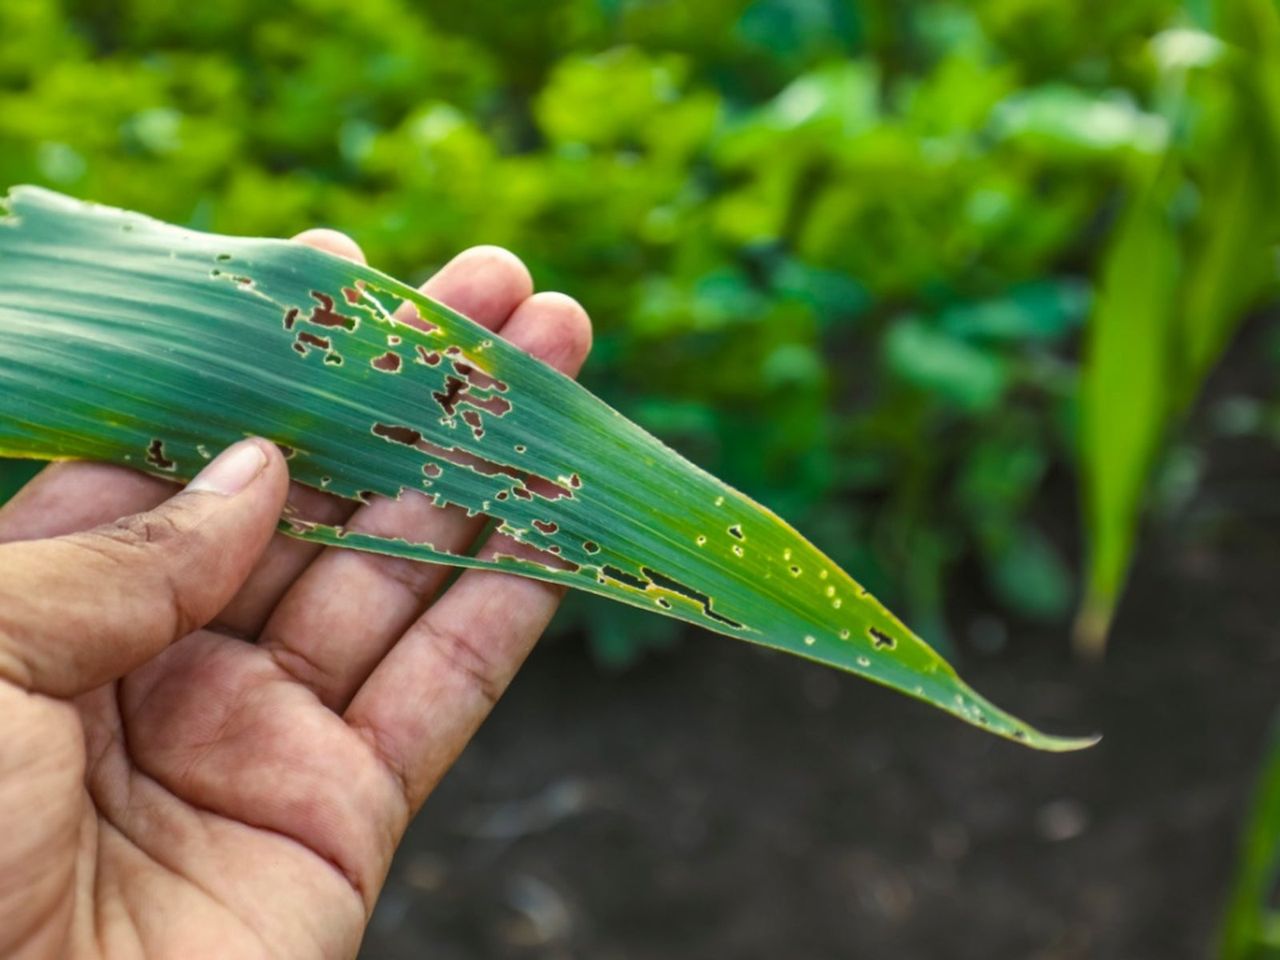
pixel 156 529
pixel 156 546
pixel 468 660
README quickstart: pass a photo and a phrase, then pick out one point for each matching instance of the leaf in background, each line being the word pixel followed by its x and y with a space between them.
pixel 1043 310
pixel 134 342
pixel 1028 574
pixel 1063 119
pixel 1163 319
pixel 1124 398
pixel 966 375
pixel 1232 261
pixel 1251 928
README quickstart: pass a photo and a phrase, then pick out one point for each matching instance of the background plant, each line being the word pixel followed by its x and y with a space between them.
pixel 839 253
pixel 1251 927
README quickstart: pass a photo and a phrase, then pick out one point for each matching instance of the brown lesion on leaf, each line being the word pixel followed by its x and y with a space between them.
pixel 498 406
pixel 881 640
pixel 409 314
pixel 621 576
pixel 457 392
pixel 660 581
pixel 735 531
pixel 431 358
pixel 547 526
pixel 324 314
pixel 472 420
pixel 236 278
pixel 396 434
pixel 528 485
pixel 388 362
pixel 306 338
pixel 590 546
pixel 157 457
pixel 478 378
pixel 447 398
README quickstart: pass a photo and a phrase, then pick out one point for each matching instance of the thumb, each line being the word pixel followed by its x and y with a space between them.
pixel 81 610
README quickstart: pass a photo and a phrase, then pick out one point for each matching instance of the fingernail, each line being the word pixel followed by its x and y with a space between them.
pixel 232 470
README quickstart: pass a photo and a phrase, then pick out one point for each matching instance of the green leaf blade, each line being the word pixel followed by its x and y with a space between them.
pixel 142 344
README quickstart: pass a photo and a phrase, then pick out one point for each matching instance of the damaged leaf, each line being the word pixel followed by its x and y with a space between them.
pixel 131 341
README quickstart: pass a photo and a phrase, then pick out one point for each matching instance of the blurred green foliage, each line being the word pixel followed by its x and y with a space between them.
pixel 838 253
pixel 1251 925
pixel 1193 250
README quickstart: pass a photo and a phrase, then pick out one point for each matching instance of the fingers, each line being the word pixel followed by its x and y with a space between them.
pixel 483 283
pixel 286 557
pixel 68 497
pixel 331 241
pixel 319 633
pixel 428 696
pixel 424 700
pixel 80 610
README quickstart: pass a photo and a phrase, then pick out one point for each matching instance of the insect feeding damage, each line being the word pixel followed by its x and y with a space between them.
pixel 642 528
pixel 157 458
pixel 468 396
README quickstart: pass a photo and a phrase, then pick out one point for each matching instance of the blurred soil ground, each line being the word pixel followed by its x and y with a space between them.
pixel 722 802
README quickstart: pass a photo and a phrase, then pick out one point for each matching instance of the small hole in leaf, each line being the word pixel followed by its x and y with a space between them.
pixel 157 458
pixel 881 640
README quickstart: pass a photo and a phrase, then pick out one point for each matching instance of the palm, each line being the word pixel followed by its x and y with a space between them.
pixel 225 790
pixel 241 794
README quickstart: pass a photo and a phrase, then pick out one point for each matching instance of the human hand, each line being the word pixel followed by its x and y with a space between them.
pixel 214 737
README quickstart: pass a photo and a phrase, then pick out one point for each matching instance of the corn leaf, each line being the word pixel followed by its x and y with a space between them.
pixel 131 341
pixel 1124 398
pixel 1168 306
pixel 1251 925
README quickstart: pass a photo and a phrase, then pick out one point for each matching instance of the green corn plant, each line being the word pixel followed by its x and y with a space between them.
pixel 1174 285
pixel 130 341
pixel 1251 926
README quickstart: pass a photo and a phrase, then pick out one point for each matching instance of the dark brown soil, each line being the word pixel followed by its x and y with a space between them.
pixel 720 802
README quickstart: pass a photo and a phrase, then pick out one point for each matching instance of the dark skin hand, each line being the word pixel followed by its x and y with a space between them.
pixel 213 736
